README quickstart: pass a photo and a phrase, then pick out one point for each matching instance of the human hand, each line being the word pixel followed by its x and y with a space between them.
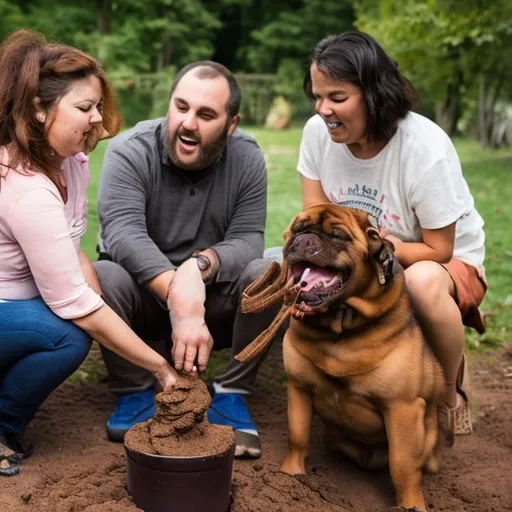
pixel 383 233
pixel 190 335
pixel 166 376
pixel 191 341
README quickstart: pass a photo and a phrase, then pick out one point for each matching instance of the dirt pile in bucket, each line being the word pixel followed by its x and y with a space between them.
pixel 180 426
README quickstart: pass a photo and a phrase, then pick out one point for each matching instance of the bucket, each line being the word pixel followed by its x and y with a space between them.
pixel 160 483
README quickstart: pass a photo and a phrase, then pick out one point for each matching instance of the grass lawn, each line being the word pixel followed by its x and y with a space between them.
pixel 488 172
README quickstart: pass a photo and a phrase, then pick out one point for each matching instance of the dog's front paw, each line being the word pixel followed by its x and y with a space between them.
pixel 292 466
pixel 403 509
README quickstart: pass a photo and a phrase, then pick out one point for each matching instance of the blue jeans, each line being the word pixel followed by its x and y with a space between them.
pixel 38 351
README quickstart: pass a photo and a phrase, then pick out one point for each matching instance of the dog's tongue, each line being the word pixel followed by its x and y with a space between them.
pixel 315 275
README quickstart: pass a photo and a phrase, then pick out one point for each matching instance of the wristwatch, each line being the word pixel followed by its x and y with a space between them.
pixel 203 262
pixel 205 266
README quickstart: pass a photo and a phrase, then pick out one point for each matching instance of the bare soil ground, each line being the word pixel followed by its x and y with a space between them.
pixel 75 468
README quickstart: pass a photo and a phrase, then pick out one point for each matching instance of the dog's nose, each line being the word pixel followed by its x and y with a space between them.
pixel 307 244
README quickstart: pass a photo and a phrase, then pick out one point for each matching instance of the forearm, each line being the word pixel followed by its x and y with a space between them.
pixel 89 272
pixel 408 253
pixel 159 285
pixel 108 329
pixel 186 293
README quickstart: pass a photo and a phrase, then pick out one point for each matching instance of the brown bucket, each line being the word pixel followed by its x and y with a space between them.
pixel 180 484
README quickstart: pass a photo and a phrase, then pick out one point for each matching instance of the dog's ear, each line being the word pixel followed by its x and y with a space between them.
pixel 382 253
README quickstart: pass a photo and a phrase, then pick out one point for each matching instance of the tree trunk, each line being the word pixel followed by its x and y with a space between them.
pixel 103 16
pixel 164 57
pixel 483 135
pixel 448 112
pixel 486 102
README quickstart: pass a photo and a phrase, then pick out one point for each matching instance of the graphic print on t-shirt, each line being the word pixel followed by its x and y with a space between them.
pixel 369 200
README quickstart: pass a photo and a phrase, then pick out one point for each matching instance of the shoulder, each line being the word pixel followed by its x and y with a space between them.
pixel 143 135
pixel 315 126
pixel 426 137
pixel 243 148
pixel 21 182
pixel 30 194
pixel 241 142
pixel 315 136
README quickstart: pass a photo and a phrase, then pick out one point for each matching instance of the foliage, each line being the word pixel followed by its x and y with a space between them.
pixel 11 17
pixel 445 47
pixel 456 52
pixel 288 36
pixel 288 83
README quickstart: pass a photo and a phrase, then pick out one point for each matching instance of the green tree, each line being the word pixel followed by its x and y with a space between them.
pixel 11 16
pixel 292 34
pixel 446 48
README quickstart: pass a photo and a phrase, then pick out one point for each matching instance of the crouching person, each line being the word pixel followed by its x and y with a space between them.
pixel 182 207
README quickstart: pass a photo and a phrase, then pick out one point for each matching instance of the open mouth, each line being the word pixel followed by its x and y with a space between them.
pixel 333 126
pixel 188 141
pixel 318 285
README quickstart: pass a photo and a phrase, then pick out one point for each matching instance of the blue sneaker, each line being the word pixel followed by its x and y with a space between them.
pixel 131 408
pixel 230 409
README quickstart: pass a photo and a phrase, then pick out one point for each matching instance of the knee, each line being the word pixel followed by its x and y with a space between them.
pixel 77 344
pixel 253 270
pixel 112 277
pixel 428 284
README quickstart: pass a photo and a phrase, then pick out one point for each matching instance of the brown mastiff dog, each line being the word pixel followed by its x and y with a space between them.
pixel 353 350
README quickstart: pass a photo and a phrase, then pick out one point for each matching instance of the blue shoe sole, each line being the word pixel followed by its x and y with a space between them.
pixel 116 435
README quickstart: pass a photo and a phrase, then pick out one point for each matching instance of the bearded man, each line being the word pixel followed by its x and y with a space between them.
pixel 182 207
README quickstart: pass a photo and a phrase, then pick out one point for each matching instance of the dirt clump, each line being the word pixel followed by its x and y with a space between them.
pixel 180 426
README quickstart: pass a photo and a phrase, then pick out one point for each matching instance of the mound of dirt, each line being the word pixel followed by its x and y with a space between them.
pixel 180 426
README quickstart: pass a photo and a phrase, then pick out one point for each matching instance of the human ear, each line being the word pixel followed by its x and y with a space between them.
pixel 40 113
pixel 233 124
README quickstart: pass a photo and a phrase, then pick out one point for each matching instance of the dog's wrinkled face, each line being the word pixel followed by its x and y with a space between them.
pixel 328 251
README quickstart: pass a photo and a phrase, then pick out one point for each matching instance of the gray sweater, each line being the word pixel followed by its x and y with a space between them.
pixel 153 215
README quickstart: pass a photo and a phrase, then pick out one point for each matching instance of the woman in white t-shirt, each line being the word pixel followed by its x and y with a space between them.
pixel 366 149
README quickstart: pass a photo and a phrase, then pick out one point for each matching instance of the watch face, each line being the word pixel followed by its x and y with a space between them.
pixel 203 262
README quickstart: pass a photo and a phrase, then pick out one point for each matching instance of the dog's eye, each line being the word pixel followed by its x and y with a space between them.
pixel 340 235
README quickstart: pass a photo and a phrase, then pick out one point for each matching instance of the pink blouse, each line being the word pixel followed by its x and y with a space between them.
pixel 40 238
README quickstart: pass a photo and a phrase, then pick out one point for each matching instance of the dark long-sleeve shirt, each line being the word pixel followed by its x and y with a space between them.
pixel 153 215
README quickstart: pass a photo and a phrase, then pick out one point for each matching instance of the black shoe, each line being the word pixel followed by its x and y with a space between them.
pixel 18 444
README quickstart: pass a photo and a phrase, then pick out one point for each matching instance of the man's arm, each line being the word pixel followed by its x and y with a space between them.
pixel 244 241
pixel 123 193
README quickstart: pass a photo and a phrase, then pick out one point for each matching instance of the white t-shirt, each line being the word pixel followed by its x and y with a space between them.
pixel 415 182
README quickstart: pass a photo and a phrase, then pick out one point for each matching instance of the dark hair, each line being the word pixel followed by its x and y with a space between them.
pixel 357 58
pixel 32 68
pixel 210 69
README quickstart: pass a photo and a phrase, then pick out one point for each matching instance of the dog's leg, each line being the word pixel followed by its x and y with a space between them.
pixel 405 427
pixel 300 412
pixel 431 439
